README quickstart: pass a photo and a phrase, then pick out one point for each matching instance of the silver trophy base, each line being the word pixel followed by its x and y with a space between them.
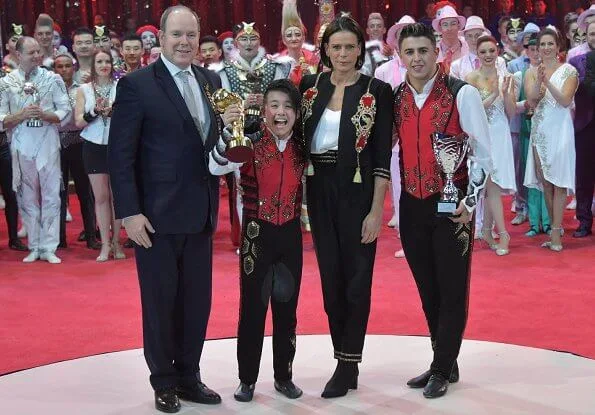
pixel 446 209
pixel 34 123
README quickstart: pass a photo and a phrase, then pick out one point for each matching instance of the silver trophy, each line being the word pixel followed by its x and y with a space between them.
pixel 30 89
pixel 450 152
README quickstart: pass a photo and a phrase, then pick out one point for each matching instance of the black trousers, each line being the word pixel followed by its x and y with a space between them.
pixel 175 277
pixel 345 264
pixel 585 175
pixel 270 269
pixel 11 210
pixel 71 160
pixel 439 254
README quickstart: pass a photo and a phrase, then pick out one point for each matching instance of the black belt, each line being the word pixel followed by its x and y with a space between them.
pixel 328 157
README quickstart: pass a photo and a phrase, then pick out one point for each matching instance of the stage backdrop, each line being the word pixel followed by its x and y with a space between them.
pixel 220 15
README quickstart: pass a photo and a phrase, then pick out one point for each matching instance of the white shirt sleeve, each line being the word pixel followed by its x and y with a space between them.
pixel 218 163
pixel 474 122
pixel 63 110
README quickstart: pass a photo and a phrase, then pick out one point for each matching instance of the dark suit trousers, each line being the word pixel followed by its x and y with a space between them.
pixel 11 210
pixel 345 264
pixel 439 254
pixel 270 269
pixel 175 284
pixel 585 174
pixel 71 159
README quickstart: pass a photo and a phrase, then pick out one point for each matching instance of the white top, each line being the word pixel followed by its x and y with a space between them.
pixel 97 131
pixel 38 143
pixel 326 136
pixel 202 105
pixel 472 118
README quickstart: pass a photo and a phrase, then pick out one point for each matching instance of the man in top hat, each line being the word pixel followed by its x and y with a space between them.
pixel 451 47
pixel 583 21
pixel 474 29
pixel 377 52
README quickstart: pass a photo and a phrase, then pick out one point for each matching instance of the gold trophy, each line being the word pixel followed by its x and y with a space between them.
pixel 239 148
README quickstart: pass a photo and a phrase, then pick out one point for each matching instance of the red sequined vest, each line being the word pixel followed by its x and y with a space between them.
pixel 420 175
pixel 272 182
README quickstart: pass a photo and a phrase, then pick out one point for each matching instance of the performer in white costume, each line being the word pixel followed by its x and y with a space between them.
pixel 33 101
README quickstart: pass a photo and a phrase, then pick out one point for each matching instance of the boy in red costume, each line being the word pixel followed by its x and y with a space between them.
pixel 271 250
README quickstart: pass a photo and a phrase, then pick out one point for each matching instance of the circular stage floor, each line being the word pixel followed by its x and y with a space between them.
pixel 495 379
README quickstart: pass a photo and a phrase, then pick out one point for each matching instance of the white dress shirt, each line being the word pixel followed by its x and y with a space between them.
pixel 326 136
pixel 202 105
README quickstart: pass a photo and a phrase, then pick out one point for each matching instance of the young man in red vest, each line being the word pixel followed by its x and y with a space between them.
pixel 438 249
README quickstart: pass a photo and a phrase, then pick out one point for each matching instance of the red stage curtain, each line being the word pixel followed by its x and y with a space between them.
pixel 220 15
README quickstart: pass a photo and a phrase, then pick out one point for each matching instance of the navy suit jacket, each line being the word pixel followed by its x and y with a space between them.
pixel 158 164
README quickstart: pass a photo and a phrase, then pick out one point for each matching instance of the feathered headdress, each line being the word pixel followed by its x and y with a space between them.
pixel 291 17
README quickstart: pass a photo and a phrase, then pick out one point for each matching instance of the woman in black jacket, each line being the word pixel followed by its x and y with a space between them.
pixel 348 121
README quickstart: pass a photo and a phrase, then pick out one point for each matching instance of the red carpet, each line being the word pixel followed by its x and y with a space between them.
pixel 531 297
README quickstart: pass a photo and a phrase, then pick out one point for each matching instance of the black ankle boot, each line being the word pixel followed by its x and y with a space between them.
pixel 344 378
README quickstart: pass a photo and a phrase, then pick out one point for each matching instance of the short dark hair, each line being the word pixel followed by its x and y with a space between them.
pixel 417 30
pixel 343 23
pixel 81 31
pixel 551 32
pixel 209 39
pixel 287 87
pixel 132 37
pixel 171 9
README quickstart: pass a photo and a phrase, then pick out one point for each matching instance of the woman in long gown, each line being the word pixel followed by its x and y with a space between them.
pixel 499 100
pixel 551 160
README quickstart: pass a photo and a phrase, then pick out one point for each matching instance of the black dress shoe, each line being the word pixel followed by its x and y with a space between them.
pixel 62 245
pixel 344 378
pixel 199 393
pixel 167 401
pixel 422 380
pixel 581 233
pixel 436 387
pixel 17 245
pixel 244 392
pixel 129 243
pixel 288 388
pixel 82 236
pixel 93 243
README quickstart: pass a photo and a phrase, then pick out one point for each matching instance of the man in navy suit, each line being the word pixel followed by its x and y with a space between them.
pixel 163 128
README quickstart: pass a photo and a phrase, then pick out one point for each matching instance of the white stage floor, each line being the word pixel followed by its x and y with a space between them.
pixel 495 379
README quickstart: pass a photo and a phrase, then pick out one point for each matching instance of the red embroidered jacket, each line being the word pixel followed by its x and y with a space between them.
pixel 272 182
pixel 420 174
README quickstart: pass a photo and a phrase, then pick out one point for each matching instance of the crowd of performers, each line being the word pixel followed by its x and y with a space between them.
pixel 333 125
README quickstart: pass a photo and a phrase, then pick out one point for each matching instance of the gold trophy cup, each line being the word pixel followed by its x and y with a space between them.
pixel 239 148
